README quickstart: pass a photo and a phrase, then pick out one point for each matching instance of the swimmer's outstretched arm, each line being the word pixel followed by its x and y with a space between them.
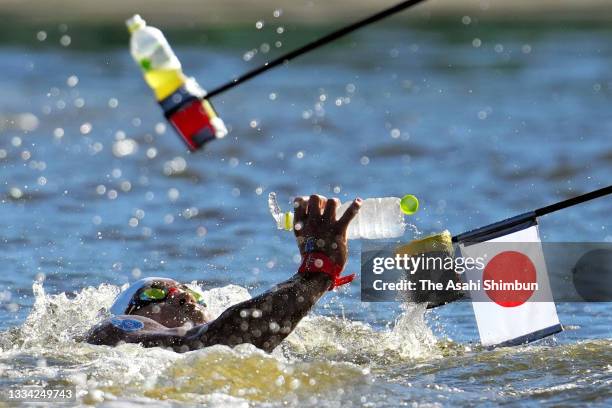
pixel 263 321
pixel 267 319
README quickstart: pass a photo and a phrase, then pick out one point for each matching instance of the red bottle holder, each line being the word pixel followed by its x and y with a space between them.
pixel 189 118
pixel 193 124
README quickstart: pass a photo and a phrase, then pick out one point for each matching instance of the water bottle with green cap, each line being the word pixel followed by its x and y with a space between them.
pixel 378 218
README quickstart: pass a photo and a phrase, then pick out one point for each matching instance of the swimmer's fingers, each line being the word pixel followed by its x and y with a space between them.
pixel 299 216
pixel 349 214
pixel 329 214
pixel 314 207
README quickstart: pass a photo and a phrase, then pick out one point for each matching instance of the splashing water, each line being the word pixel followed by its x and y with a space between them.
pixel 326 357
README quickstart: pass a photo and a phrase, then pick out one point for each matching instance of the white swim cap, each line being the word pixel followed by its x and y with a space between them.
pixel 121 303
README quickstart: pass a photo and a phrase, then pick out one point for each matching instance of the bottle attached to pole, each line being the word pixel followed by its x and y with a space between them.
pixel 180 97
pixel 378 218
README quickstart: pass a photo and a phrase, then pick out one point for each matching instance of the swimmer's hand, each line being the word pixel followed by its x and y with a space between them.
pixel 317 230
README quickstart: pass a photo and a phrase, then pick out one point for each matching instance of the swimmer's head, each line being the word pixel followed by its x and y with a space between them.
pixel 166 301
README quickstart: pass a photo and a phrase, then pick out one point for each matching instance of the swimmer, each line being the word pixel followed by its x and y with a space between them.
pixel 159 312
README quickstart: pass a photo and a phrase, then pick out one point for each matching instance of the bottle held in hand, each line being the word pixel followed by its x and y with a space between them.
pixel 378 218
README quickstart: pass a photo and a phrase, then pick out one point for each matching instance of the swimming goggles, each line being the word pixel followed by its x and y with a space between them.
pixel 153 294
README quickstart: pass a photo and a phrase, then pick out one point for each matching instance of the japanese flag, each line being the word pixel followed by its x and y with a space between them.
pixel 509 308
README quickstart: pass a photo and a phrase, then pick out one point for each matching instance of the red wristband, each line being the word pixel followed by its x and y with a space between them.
pixel 319 262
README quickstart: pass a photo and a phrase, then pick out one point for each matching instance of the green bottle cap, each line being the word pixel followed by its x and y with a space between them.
pixel 409 204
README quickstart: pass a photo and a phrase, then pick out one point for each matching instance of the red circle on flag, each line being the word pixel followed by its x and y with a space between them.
pixel 510 267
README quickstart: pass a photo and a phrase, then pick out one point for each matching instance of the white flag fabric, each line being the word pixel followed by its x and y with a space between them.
pixel 511 317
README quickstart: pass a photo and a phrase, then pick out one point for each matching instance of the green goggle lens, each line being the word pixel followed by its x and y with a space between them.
pixel 153 294
pixel 198 298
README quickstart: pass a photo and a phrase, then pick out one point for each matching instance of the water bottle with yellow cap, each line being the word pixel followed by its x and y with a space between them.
pixel 180 97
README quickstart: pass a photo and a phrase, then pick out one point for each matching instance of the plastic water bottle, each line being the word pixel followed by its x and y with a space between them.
pixel 181 98
pixel 378 217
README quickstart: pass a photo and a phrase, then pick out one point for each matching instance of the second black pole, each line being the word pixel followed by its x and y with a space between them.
pixel 570 202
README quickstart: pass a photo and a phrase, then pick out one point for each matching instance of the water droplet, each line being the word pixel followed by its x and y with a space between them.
pixel 15 193
pixel 72 81
pixel 85 128
pixel 249 55
pixel 123 148
pixel 151 152
pixel 136 273
pixel 65 40
pixel 175 166
pixel 173 194
pixel 160 128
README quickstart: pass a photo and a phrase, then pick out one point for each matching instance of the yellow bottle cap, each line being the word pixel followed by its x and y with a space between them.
pixel 135 23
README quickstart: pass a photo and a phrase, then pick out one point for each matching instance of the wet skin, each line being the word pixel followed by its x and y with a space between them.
pixel 181 324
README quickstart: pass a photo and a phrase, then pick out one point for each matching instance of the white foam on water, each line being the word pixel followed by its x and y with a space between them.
pixel 325 359
pixel 346 340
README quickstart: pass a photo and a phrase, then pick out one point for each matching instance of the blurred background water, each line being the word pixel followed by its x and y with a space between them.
pixel 481 121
